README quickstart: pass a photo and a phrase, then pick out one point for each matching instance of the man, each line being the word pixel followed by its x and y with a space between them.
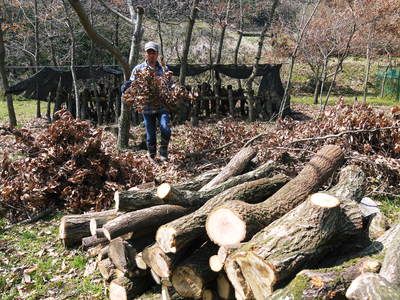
pixel 151 115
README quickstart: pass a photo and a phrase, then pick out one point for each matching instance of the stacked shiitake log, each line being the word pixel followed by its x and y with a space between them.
pixel 245 234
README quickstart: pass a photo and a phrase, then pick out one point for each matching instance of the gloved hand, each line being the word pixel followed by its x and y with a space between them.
pixel 125 86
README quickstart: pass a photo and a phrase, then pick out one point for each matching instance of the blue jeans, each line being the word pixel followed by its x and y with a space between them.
pixel 150 123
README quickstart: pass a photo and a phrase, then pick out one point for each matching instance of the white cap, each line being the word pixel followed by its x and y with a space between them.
pixel 151 45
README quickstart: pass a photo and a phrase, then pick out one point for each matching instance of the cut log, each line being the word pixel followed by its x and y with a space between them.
pixel 155 277
pixel 132 200
pixel 173 195
pixel 165 293
pixel 177 234
pixel 103 253
pixel 235 166
pixel 107 269
pixel 160 262
pixel 297 240
pixel 122 255
pixel 191 277
pixel 378 224
pixel 224 287
pixel 236 221
pixel 217 261
pixel 124 288
pixel 210 295
pixel 372 286
pixel 391 263
pixel 326 283
pixel 143 222
pixel 140 263
pixel 92 241
pixel 216 264
pixel 75 227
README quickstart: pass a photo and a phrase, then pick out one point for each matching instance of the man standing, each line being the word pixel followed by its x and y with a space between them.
pixel 151 115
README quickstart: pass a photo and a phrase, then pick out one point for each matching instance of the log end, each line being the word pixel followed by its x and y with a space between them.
pixel 93 226
pixel 118 291
pixel 165 238
pixel 116 200
pixel 163 190
pixel 187 283
pixel 324 200
pixel 215 263
pixel 222 221
pixel 62 229
pixel 107 234
pixel 140 263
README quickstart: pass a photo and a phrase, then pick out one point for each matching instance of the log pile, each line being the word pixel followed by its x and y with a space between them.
pixel 244 235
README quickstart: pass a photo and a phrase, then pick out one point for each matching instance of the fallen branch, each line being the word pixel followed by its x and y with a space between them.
pixel 343 133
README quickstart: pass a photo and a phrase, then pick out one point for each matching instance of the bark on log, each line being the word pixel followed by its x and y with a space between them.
pixel 107 269
pixel 235 166
pixel 143 222
pixel 103 253
pixel 326 283
pixel 124 288
pixel 391 263
pixel 122 255
pixel 224 287
pixel 372 286
pixel 177 234
pixel 236 221
pixel 92 241
pixel 75 227
pixel 191 276
pixel 173 195
pixel 132 200
pixel 297 240
pixel 160 262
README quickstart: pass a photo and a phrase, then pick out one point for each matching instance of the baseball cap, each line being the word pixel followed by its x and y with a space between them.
pixel 151 45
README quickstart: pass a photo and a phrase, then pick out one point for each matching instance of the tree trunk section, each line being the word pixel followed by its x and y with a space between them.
pixel 372 286
pixel 176 196
pixel 176 235
pixel 190 277
pixel 75 227
pixel 326 283
pixel 123 288
pixel 236 221
pixel 235 166
pixel 92 241
pixel 297 239
pixel 144 221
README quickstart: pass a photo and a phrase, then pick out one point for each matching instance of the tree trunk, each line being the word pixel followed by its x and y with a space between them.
pixel 75 227
pixel 137 34
pixel 10 106
pixel 72 67
pixel 372 286
pixel 326 283
pixel 300 238
pixel 36 27
pixel 236 221
pixel 239 41
pixel 171 195
pixel 191 277
pixel 235 166
pixel 123 288
pixel 176 235
pixel 250 92
pixel 144 221
pixel 367 70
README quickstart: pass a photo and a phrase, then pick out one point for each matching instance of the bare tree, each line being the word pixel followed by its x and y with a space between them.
pixel 249 83
pixel 10 106
pixel 38 113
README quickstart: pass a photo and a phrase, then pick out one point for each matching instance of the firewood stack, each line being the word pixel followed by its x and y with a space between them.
pixel 234 234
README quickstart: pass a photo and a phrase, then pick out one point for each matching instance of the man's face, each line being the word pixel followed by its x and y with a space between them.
pixel 151 56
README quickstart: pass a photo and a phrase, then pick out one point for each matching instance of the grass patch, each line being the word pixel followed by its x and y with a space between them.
pixel 25 110
pixel 372 100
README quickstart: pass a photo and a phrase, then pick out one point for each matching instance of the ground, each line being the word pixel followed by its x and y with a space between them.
pixel 35 265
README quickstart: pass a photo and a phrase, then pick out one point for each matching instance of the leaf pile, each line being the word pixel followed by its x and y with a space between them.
pixel 155 92
pixel 64 165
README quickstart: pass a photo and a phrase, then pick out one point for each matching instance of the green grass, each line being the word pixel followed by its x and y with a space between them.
pixel 25 110
pixel 371 100
pixel 34 265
